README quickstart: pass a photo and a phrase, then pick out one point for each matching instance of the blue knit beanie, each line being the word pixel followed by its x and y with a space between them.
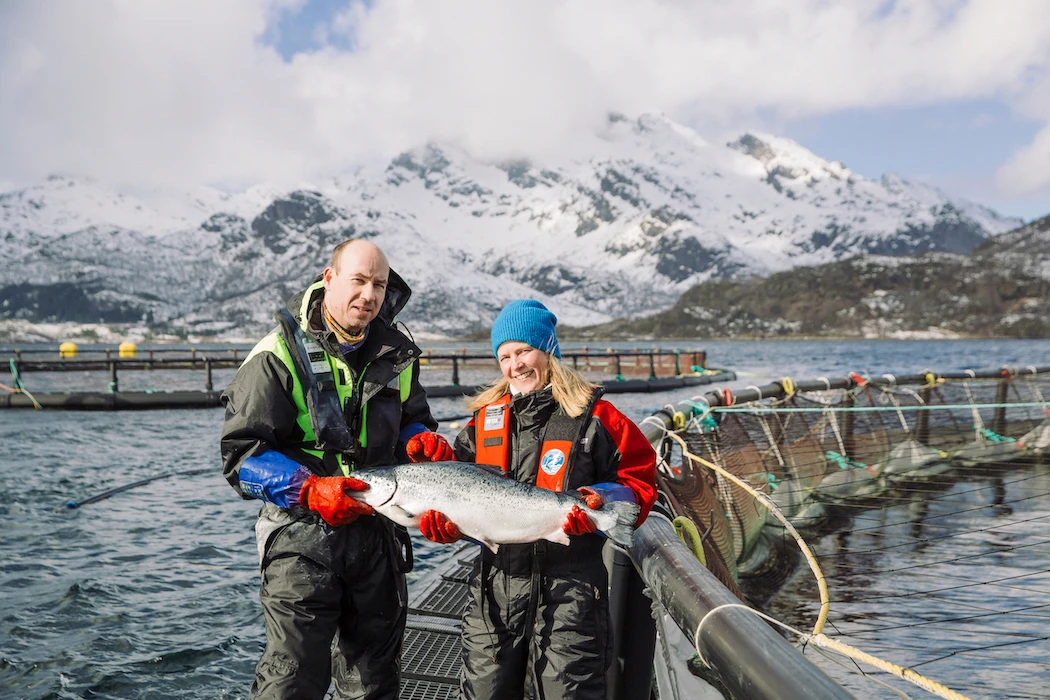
pixel 526 321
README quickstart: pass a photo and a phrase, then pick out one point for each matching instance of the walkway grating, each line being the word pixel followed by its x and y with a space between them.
pixel 431 655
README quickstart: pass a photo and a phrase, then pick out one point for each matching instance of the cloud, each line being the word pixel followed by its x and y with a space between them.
pixel 1028 170
pixel 189 90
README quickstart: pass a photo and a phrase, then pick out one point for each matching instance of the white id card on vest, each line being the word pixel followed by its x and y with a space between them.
pixel 494 417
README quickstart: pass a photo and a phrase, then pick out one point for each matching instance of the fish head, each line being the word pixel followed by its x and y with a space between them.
pixel 382 485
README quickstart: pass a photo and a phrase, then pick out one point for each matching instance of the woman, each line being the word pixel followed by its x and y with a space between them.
pixel 537 620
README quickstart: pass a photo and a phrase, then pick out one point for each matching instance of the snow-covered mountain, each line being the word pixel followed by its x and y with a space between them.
pixel 621 227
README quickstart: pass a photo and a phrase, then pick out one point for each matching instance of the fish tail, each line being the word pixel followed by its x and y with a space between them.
pixel 626 514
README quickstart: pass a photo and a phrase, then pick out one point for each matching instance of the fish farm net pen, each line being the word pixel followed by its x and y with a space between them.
pixel 865 475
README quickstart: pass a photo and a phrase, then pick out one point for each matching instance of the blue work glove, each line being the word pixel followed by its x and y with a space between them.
pixel 273 477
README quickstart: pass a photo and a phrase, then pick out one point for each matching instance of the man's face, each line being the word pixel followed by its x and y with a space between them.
pixel 354 291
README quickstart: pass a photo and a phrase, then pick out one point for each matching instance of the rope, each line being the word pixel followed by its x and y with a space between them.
pixel 1038 394
pixel 978 423
pixel 758 409
pixel 19 388
pixel 905 673
pixel 823 641
pixel 897 405
pixel 687 532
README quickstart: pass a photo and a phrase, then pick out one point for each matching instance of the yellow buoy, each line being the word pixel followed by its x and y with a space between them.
pixel 454 425
pixel 67 349
pixel 127 349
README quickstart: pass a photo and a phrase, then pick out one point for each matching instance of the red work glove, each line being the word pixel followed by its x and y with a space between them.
pixel 578 523
pixel 429 447
pixel 437 528
pixel 327 496
pixel 594 500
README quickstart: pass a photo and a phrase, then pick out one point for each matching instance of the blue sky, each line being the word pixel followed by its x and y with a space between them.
pixel 955 145
pixel 955 93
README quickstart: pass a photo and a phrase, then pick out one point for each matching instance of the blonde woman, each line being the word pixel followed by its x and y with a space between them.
pixel 537 620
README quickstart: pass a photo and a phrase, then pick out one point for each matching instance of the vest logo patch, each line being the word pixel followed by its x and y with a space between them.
pixel 552 461
pixel 494 417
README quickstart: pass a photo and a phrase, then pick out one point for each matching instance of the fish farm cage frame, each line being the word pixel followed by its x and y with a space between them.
pixel 761 471
pixel 629 371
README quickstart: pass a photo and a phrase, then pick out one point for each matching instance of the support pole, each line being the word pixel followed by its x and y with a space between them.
pixel 207 374
pixel 922 420
pixel 847 428
pixel 1002 392
pixel 113 386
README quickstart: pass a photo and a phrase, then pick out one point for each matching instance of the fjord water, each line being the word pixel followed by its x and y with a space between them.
pixel 153 592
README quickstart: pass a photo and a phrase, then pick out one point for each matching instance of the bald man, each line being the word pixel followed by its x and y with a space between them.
pixel 334 389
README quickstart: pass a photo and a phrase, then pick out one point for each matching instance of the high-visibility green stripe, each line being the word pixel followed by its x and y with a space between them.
pixel 405 381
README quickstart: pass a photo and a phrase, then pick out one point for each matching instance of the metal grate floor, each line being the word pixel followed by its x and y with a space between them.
pixel 433 654
pixel 460 574
pixel 448 599
pixel 412 689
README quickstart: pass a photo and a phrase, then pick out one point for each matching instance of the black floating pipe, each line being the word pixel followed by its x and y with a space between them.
pixel 749 656
pixel 128 400
pixel 71 504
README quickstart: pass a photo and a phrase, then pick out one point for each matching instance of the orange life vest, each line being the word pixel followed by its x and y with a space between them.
pixel 560 435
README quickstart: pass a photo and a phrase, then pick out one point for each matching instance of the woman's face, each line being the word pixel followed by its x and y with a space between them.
pixel 523 365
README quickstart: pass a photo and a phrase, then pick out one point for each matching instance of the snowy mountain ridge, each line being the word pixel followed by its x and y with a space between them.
pixel 632 218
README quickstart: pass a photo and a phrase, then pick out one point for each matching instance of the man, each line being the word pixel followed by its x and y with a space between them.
pixel 332 390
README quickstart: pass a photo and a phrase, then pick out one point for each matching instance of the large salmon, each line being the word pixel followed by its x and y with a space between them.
pixel 484 504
